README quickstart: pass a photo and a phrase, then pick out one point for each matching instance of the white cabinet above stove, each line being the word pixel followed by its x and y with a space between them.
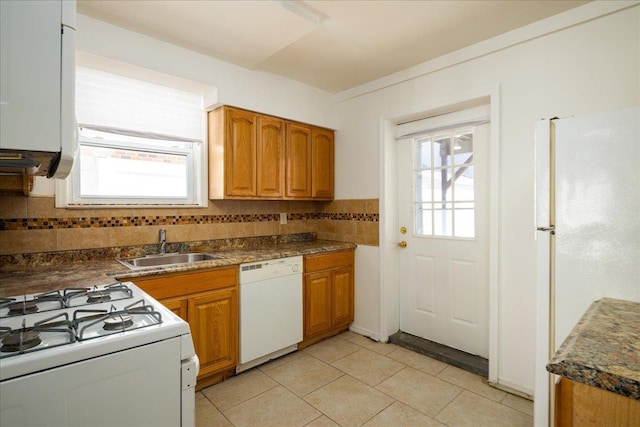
pixel 37 87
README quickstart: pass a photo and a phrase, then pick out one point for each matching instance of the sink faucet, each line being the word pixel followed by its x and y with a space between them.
pixel 163 240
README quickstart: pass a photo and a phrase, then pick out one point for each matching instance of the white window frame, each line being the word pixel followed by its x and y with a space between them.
pixel 68 195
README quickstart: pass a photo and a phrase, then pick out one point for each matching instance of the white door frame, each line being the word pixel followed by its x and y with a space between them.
pixel 389 290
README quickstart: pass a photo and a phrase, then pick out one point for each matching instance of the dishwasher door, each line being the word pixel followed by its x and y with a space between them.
pixel 270 316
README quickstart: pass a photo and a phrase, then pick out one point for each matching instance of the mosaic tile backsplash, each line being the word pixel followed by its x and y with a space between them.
pixel 33 224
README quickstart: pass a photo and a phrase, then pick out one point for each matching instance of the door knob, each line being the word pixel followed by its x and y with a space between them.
pixel 402 244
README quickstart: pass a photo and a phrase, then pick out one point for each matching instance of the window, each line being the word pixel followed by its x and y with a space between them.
pixel 443 174
pixel 118 169
pixel 140 144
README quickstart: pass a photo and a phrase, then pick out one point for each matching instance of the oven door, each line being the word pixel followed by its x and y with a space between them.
pixel 136 387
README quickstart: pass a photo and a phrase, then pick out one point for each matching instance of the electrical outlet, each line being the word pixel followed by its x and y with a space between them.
pixel 283 218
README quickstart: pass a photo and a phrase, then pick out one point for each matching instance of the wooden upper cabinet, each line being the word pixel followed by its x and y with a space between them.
pixel 255 156
pixel 298 161
pixel 240 158
pixel 270 164
pixel 322 166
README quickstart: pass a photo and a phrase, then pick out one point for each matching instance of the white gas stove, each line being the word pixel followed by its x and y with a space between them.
pixel 108 355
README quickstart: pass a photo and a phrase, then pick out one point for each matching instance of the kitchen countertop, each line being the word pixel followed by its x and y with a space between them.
pixel 84 273
pixel 603 350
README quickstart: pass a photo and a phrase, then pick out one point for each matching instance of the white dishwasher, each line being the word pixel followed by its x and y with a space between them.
pixel 270 310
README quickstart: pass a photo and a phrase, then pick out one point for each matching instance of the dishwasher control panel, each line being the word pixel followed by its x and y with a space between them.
pixel 262 270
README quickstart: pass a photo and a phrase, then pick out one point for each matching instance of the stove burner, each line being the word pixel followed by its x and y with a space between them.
pixel 23 307
pixel 20 340
pixel 76 297
pixel 120 321
pixel 98 296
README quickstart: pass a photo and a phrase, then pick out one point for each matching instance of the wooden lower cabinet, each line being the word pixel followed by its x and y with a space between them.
pixel 581 405
pixel 317 303
pixel 177 305
pixel 213 318
pixel 208 301
pixel 328 294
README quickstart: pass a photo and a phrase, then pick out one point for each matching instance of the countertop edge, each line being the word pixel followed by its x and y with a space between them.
pixel 575 366
pixel 98 272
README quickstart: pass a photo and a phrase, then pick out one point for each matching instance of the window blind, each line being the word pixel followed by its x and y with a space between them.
pixel 468 117
pixel 108 100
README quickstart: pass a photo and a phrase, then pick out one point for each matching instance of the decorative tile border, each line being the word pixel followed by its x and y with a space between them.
pixel 138 221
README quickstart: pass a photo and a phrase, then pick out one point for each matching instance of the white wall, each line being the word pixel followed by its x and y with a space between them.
pixel 590 67
pixel 235 85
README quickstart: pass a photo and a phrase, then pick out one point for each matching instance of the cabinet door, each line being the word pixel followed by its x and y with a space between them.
pixel 30 75
pixel 178 306
pixel 270 150
pixel 240 153
pixel 322 169
pixel 298 161
pixel 317 303
pixel 342 296
pixel 213 319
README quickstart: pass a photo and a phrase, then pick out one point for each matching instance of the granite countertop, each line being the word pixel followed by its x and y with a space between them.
pixel 90 272
pixel 603 350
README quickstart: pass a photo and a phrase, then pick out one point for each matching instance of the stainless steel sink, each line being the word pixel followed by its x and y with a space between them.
pixel 163 260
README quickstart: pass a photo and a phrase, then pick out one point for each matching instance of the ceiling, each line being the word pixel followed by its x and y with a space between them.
pixel 331 45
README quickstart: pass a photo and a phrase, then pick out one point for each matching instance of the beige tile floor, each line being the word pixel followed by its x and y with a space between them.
pixel 349 380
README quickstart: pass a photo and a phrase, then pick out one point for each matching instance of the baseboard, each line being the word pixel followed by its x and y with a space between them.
pixel 513 388
pixel 365 332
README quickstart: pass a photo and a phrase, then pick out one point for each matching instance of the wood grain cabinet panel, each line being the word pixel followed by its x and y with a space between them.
pixel 298 161
pixel 328 294
pixel 322 166
pixel 213 319
pixel 256 156
pixel 240 148
pixel 270 161
pixel 208 301
pixel 342 303
pixel 178 306
pixel 317 303
pixel 581 405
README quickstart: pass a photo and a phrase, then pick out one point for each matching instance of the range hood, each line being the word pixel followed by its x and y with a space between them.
pixel 38 133
pixel 39 163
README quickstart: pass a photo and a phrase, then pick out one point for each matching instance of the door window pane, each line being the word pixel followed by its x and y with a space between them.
pixel 423 186
pixel 443 219
pixel 462 147
pixel 442 190
pixel 444 184
pixel 464 219
pixel 423 153
pixel 442 150
pixel 464 184
pixel 423 219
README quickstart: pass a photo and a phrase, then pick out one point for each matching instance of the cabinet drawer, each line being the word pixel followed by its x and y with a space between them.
pixel 180 284
pixel 329 260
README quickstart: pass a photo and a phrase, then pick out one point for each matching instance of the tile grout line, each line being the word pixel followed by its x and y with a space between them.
pixel 373 387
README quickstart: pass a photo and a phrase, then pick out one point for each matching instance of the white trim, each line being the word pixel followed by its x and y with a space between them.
pixel 495 174
pixel 389 216
pixel 468 117
pixel 365 332
pixel 559 22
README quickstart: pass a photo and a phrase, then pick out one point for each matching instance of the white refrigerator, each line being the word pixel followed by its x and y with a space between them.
pixel 587 227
